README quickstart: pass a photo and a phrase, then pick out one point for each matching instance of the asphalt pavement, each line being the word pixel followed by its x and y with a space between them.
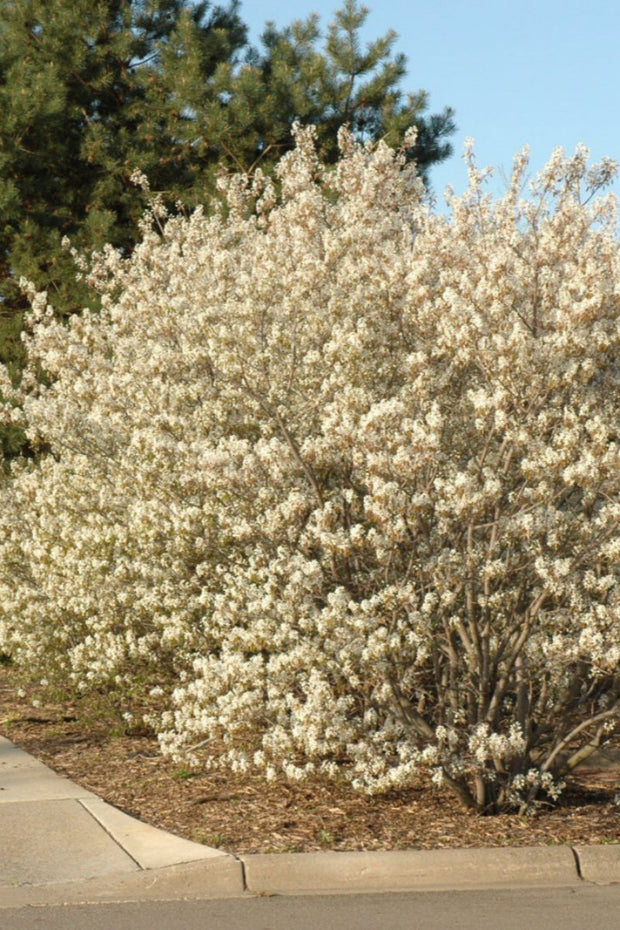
pixel 587 907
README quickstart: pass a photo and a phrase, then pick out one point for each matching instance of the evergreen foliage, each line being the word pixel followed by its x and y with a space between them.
pixel 87 94
pixel 91 90
pixel 342 84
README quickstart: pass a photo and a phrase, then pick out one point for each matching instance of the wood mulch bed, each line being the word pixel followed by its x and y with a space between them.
pixel 244 814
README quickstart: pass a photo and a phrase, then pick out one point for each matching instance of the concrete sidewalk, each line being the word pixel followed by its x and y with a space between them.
pixel 54 833
pixel 62 844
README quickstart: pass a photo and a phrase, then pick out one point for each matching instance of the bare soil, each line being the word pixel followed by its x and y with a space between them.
pixel 244 814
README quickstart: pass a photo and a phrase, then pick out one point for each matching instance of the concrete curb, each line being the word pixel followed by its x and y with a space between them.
pixel 226 876
pixel 149 847
pixel 409 870
pixel 599 864
pixel 206 879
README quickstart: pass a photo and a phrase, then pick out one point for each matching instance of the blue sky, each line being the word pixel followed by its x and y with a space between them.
pixel 542 72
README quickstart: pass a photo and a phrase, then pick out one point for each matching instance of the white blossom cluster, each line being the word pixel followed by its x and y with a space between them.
pixel 331 482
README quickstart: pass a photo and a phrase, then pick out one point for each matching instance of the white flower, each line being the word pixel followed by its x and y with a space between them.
pixel 334 480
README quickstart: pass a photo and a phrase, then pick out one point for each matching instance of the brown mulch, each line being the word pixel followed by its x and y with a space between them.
pixel 243 814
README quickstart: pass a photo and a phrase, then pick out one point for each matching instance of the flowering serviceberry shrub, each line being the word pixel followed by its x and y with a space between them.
pixel 332 481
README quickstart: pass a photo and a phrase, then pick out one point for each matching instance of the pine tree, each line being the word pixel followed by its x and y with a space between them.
pixel 84 100
pixel 91 90
pixel 339 84
pixel 87 95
